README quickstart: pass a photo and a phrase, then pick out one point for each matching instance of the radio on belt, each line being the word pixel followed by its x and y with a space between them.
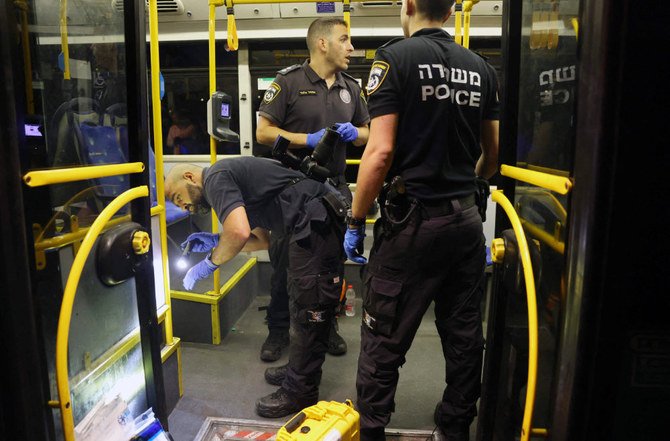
pixel 218 117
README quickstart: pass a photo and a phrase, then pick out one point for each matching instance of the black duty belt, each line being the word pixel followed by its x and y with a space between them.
pixel 445 207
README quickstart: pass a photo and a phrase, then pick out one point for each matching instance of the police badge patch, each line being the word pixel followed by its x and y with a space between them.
pixel 378 73
pixel 271 93
pixel 345 96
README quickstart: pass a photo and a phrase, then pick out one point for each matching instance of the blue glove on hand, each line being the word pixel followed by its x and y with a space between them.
pixel 353 244
pixel 201 242
pixel 348 132
pixel 199 271
pixel 314 138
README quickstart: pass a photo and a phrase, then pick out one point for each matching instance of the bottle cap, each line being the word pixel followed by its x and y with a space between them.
pixel 349 286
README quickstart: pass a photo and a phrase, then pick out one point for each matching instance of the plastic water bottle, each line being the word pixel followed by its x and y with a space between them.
pixel 350 301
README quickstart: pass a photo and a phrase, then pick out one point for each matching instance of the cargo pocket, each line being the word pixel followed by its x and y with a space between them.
pixel 330 288
pixel 306 294
pixel 381 305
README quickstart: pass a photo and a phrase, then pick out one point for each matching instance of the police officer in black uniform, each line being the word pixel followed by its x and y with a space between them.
pixel 434 128
pixel 252 196
pixel 299 104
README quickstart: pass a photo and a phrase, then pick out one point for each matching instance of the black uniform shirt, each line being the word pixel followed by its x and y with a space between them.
pixel 300 102
pixel 441 92
pixel 269 192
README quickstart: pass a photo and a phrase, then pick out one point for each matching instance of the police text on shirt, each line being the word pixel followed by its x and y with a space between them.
pixel 449 89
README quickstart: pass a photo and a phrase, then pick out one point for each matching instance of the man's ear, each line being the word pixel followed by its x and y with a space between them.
pixel 188 175
pixel 410 8
pixel 323 43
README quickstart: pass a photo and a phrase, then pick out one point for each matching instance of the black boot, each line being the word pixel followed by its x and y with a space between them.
pixel 280 404
pixel 336 344
pixel 277 340
pixel 275 375
pixel 456 431
pixel 374 434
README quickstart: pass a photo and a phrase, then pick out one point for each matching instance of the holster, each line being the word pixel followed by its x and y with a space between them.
pixel 482 196
pixel 395 206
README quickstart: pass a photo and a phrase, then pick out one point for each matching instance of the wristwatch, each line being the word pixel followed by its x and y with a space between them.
pixel 354 221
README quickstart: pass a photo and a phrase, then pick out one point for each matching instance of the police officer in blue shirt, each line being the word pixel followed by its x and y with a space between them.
pixel 252 196
pixel 434 129
pixel 300 103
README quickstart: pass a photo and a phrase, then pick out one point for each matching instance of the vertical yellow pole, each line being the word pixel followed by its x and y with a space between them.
pixel 457 24
pixel 63 39
pixel 158 150
pixel 212 141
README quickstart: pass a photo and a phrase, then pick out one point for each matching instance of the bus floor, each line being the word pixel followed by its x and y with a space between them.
pixel 226 380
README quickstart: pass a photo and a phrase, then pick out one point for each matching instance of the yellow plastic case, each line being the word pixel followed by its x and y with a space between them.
pixel 325 421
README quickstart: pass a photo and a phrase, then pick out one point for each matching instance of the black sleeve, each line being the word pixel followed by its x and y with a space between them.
pixel 275 101
pixel 383 85
pixel 223 193
pixel 491 109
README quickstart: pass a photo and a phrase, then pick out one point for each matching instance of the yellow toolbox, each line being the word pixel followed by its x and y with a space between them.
pixel 325 421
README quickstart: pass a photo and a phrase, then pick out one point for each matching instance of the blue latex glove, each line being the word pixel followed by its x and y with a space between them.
pixel 348 132
pixel 314 138
pixel 201 242
pixel 353 244
pixel 199 271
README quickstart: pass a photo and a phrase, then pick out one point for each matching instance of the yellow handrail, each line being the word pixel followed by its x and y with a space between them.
pixel 353 161
pixel 65 317
pixel 60 175
pixel 559 184
pixel 158 150
pixel 63 39
pixel 531 300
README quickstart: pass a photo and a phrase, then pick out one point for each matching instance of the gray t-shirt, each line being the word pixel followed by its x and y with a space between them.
pixel 299 101
pixel 275 197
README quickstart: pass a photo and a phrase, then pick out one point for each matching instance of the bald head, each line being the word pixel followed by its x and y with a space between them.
pixel 181 171
pixel 183 187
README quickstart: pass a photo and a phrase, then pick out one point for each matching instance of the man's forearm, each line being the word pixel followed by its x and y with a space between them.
pixel 269 134
pixel 363 134
pixel 229 246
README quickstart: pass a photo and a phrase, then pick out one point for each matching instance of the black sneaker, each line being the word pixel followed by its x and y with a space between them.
pixel 275 375
pixel 279 404
pixel 277 340
pixel 336 344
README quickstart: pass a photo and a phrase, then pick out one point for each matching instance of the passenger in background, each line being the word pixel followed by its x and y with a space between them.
pixel 252 196
pixel 434 129
pixel 183 136
pixel 302 101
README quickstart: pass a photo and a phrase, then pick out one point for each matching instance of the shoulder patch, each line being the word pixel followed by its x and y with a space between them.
pixel 286 70
pixel 378 73
pixel 271 93
pixel 390 42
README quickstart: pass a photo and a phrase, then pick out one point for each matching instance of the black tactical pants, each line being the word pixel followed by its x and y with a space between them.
pixel 315 271
pixel 441 260
pixel 277 313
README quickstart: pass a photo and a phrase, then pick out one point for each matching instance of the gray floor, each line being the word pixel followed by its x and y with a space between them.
pixel 226 380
